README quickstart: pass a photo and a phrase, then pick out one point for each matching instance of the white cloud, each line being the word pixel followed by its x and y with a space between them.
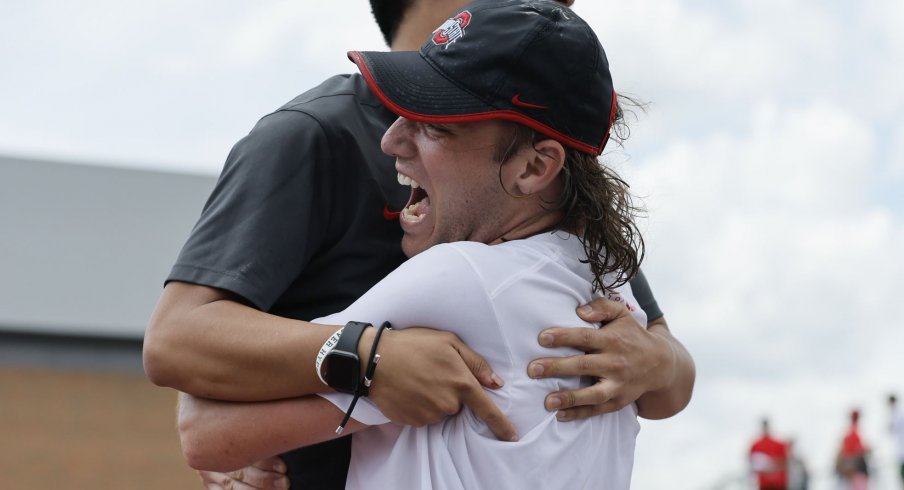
pixel 752 52
pixel 896 158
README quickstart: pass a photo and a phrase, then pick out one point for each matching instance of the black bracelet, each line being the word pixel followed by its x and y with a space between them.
pixel 364 388
pixel 373 359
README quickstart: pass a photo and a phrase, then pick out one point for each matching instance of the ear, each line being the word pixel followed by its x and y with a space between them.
pixel 541 168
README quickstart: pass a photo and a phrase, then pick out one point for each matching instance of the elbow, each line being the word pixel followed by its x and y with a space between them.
pixel 201 455
pixel 192 450
pixel 662 408
pixel 207 443
pixel 671 400
pixel 153 363
pixel 198 450
pixel 198 456
pixel 160 353
pixel 166 351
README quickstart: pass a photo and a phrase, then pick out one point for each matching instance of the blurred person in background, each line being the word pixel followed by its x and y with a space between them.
pixel 851 463
pixel 769 460
pixel 896 426
pixel 798 475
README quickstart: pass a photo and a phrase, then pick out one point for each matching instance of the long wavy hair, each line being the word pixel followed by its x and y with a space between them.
pixel 596 203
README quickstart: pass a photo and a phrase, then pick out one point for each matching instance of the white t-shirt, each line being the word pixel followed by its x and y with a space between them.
pixel 497 299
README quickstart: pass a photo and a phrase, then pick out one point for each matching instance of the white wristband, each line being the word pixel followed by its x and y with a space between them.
pixel 327 347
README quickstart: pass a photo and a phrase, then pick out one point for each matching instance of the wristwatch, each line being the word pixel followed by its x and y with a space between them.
pixel 342 366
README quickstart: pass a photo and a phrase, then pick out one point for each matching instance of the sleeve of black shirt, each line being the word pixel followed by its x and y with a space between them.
pixel 262 222
pixel 644 296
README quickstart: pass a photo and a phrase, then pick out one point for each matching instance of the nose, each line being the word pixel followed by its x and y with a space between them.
pixel 397 140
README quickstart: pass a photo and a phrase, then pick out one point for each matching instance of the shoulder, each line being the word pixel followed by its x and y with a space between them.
pixel 445 257
pixel 313 109
pixel 340 102
pixel 330 119
pixel 492 265
pixel 496 267
pixel 448 268
pixel 336 91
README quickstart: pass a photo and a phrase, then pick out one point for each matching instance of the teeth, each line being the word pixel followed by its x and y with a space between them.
pixel 405 180
pixel 411 213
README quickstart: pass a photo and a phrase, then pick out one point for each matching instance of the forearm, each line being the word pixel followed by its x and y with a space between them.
pixel 202 343
pixel 678 385
pixel 225 436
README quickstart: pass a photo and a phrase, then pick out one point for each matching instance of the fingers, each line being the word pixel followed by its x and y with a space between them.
pixel 485 409
pixel 268 474
pixel 274 464
pixel 580 413
pixel 594 365
pixel 586 402
pixel 415 358
pixel 213 480
pixel 478 366
pixel 585 339
pixel 479 401
pixel 602 310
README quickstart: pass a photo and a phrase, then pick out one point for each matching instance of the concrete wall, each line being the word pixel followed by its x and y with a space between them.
pixel 84 249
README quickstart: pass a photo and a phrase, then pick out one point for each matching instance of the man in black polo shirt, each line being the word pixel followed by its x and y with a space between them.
pixel 300 225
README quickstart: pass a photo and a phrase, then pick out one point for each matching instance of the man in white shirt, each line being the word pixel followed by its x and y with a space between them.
pixel 502 115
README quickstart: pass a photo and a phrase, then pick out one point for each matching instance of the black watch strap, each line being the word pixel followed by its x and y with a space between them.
pixel 344 375
pixel 351 335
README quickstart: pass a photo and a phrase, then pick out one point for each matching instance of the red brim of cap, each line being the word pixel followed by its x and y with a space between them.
pixel 409 85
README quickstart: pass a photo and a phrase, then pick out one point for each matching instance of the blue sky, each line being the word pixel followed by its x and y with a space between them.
pixel 771 159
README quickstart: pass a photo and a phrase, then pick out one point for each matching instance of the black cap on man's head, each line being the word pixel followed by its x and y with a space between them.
pixel 533 62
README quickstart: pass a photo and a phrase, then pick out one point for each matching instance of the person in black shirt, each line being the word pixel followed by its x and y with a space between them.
pixel 299 225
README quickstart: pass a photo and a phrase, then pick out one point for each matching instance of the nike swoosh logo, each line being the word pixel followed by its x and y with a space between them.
pixel 520 103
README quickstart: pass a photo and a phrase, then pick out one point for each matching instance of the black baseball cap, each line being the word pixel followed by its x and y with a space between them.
pixel 534 62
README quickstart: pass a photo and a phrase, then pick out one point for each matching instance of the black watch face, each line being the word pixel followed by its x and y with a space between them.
pixel 343 371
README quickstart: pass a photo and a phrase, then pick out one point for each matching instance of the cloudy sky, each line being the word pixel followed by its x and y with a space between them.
pixel 771 160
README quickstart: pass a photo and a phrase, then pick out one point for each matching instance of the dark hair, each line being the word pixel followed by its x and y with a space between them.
pixel 389 14
pixel 596 204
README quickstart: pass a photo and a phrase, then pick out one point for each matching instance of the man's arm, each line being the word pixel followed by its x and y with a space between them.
pixel 211 442
pixel 675 393
pixel 632 363
pixel 202 341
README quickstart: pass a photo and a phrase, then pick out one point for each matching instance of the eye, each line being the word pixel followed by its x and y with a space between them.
pixel 436 129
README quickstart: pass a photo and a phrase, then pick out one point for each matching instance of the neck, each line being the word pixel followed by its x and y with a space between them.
pixel 421 18
pixel 528 226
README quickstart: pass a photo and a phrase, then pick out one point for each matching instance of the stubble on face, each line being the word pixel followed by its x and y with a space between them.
pixel 454 165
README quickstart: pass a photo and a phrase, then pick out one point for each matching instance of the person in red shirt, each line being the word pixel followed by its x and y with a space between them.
pixel 769 460
pixel 851 464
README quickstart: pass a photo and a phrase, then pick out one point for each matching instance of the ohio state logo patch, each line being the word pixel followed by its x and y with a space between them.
pixel 452 29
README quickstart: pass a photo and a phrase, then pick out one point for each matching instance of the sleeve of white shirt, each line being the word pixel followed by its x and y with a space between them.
pixel 437 288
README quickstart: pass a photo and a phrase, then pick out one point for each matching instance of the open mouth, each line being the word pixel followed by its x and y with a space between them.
pixel 419 202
